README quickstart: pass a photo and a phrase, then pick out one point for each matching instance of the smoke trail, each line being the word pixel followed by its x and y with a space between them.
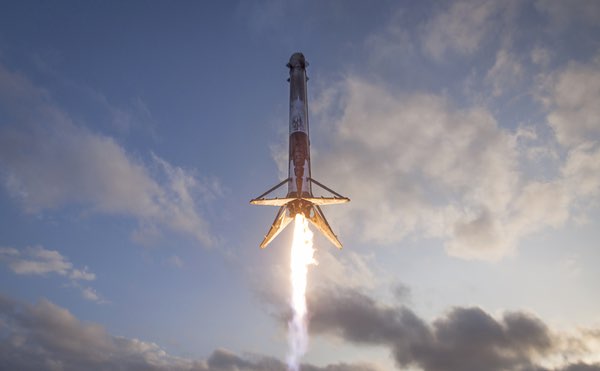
pixel 302 256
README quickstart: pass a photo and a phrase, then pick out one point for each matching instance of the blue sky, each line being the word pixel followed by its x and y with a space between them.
pixel 133 135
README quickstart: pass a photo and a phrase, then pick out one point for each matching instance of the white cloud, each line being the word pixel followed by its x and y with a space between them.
pixel 541 56
pixel 460 29
pixel 505 73
pixel 40 261
pixel 8 252
pixel 48 161
pixel 82 274
pixel 393 48
pixel 90 294
pixel 347 269
pixel 417 147
pixel 413 164
pixel 36 261
pixel 263 17
pixel 572 96
pixel 177 201
pixel 175 261
pixel 582 171
pixel 563 13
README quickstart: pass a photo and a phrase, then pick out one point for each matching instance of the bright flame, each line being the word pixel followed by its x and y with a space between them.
pixel 302 257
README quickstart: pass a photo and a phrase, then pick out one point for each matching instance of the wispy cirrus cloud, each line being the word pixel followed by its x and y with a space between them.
pixel 39 261
pixel 506 72
pixel 563 14
pixel 48 161
pixel 460 28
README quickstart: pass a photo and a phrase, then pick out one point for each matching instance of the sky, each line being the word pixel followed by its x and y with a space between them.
pixel 133 135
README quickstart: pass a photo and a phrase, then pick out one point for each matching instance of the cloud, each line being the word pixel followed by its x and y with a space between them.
pixel 425 168
pixel 392 48
pixel 541 56
pixel 40 261
pixel 460 28
pixel 175 261
pixel 575 11
pixel 571 95
pixel 222 359
pixel 582 170
pixel 90 294
pixel 263 17
pixel 347 269
pixel 419 165
pixel 46 336
pixel 464 339
pixel 506 72
pixel 84 274
pixel 48 161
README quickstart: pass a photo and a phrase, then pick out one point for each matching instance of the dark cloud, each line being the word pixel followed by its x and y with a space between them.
pixel 45 336
pixel 401 292
pixel 582 367
pixel 224 360
pixel 357 318
pixel 464 339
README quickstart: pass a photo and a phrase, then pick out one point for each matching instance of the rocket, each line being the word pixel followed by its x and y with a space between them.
pixel 299 198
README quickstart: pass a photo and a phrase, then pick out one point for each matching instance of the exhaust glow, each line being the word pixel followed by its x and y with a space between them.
pixel 302 257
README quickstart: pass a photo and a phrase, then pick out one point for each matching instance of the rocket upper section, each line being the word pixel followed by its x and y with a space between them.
pixel 298 100
pixel 299 146
pixel 297 60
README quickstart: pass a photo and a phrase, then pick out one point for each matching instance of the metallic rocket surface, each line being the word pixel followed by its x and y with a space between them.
pixel 299 198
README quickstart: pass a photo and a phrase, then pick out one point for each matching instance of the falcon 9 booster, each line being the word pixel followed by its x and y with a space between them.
pixel 299 198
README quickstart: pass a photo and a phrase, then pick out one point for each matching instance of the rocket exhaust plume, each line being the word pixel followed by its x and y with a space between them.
pixel 301 258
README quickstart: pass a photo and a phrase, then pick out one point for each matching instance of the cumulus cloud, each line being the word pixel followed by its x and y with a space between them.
pixel 464 339
pixel 48 161
pixel 427 167
pixel 37 260
pixel 418 164
pixel 45 336
pixel 572 95
pixel 582 170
